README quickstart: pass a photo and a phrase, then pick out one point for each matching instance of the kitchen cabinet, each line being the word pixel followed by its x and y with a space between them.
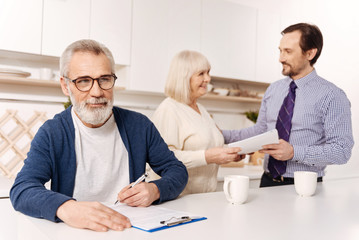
pixel 268 68
pixel 111 25
pixel 228 38
pixel 161 28
pixel 64 21
pixel 20 25
pixel 106 21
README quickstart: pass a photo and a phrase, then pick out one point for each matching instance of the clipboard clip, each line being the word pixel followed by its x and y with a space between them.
pixel 176 220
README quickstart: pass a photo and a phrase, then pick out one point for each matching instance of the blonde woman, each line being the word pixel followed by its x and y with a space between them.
pixel 187 127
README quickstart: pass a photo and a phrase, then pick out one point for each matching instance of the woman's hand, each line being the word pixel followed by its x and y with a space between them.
pixel 221 155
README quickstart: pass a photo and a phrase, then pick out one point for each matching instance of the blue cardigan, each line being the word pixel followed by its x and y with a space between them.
pixel 52 157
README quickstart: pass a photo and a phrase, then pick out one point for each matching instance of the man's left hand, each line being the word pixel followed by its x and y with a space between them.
pixel 141 195
pixel 283 151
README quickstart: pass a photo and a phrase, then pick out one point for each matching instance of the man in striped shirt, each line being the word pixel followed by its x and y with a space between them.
pixel 321 131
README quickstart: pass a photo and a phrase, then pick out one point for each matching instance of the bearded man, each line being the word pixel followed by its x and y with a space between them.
pixel 311 114
pixel 92 151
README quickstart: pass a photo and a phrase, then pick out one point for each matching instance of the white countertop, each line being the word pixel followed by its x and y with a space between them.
pixel 332 213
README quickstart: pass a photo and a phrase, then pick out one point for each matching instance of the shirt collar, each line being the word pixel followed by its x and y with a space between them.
pixel 301 82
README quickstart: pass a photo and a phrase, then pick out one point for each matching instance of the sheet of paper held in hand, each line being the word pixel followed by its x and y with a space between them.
pixel 149 218
pixel 255 143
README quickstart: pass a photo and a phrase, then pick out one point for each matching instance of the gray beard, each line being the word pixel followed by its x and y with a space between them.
pixel 94 116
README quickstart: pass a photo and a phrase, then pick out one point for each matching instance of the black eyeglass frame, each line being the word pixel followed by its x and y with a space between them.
pixel 93 80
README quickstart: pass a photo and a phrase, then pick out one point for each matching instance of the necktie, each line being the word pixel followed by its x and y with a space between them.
pixel 284 126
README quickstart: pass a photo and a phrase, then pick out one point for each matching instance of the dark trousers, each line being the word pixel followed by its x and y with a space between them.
pixel 268 181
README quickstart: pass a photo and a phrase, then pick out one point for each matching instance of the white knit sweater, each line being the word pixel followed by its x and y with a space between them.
pixel 188 134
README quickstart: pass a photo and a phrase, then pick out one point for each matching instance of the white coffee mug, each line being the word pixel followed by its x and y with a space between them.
pixel 305 183
pixel 236 188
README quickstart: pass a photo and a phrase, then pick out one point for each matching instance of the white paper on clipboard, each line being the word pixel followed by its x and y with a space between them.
pixel 155 218
pixel 255 143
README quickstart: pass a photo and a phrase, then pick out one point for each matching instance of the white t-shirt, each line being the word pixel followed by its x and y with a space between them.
pixel 102 162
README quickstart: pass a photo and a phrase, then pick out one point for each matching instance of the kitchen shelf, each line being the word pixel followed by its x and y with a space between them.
pixel 232 98
pixel 34 82
pixel 248 87
pixel 240 81
pixel 205 97
pixel 56 84
pixel 28 81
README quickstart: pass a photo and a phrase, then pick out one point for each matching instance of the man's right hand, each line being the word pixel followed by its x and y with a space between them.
pixel 92 215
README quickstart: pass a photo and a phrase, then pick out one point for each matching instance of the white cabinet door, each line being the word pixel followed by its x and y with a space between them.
pixel 161 28
pixel 229 38
pixel 268 68
pixel 20 25
pixel 184 27
pixel 111 25
pixel 64 21
pixel 149 44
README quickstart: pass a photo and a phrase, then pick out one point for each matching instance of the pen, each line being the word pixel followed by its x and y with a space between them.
pixel 140 179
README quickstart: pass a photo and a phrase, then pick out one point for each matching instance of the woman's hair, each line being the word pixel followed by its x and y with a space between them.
pixel 183 66
pixel 85 45
pixel 311 38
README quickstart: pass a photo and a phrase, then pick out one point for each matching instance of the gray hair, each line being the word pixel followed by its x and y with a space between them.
pixel 84 45
pixel 183 66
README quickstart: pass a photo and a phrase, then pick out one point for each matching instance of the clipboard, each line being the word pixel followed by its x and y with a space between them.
pixel 155 218
pixel 255 143
pixel 173 222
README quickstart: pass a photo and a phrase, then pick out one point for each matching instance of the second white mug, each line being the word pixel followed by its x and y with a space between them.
pixel 305 183
pixel 236 188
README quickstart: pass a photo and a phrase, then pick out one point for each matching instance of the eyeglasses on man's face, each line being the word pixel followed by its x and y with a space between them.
pixel 85 83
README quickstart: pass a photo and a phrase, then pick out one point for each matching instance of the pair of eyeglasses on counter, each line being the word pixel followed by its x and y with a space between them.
pixel 85 83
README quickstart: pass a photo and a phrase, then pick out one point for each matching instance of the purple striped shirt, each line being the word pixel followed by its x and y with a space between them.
pixel 321 125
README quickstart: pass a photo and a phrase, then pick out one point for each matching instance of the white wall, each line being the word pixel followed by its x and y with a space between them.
pixel 339 23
